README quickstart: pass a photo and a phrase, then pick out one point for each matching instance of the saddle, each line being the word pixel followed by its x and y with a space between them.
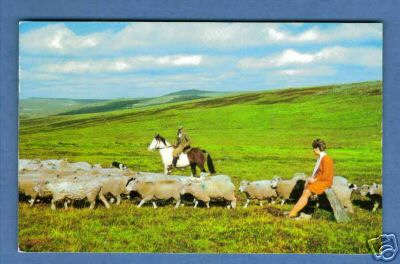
pixel 187 149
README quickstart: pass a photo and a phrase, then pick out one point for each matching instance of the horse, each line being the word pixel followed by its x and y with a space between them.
pixel 195 157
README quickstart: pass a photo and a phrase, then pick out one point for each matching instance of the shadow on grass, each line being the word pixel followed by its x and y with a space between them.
pixel 363 204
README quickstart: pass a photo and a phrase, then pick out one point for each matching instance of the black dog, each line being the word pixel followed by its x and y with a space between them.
pixel 119 165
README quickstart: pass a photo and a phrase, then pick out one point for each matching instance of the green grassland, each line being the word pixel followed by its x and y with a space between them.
pixel 250 136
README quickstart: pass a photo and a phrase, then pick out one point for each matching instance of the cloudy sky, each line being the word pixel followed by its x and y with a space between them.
pixel 114 59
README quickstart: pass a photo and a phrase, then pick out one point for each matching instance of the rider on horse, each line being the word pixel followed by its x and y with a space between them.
pixel 182 145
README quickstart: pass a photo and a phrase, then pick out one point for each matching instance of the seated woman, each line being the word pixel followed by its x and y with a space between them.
pixel 320 180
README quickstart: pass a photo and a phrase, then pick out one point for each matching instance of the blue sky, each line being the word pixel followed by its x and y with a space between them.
pixel 144 59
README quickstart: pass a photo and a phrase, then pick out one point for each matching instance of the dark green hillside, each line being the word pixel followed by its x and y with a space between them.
pixel 109 106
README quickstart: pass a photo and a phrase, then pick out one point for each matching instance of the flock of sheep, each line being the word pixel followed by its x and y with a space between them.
pixel 64 182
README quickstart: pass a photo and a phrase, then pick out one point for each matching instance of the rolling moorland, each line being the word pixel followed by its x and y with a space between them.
pixel 39 107
pixel 250 136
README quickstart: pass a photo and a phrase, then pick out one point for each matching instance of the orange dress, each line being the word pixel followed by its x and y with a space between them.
pixel 324 176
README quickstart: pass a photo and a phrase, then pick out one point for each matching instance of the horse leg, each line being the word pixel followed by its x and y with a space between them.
pixel 193 168
pixel 201 166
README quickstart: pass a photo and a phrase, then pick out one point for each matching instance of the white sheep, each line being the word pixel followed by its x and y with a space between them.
pixel 260 190
pixel 115 186
pixel 155 190
pixel 212 188
pixel 343 193
pixel 64 190
pixel 285 188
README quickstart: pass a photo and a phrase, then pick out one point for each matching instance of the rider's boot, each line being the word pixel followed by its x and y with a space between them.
pixel 174 161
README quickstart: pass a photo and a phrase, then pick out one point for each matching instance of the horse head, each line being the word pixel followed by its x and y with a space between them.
pixel 158 142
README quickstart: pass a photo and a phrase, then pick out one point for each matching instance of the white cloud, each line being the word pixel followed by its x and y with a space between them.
pixel 59 39
pixel 371 57
pixel 122 64
pixel 341 32
pixel 277 35
pixel 316 71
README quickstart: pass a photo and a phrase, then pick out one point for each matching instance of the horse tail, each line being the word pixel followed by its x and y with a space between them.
pixel 210 163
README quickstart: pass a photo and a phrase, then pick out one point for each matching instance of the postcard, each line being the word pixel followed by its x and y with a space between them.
pixel 200 137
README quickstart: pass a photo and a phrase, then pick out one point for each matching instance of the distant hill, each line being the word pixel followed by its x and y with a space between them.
pixel 199 93
pixel 39 107
pixel 36 106
pixel 109 105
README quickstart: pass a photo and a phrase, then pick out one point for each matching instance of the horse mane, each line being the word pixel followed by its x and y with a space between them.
pixel 162 139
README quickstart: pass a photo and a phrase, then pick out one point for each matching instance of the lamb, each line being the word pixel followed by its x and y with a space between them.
pixel 213 188
pixel 257 190
pixel 374 192
pixel 155 189
pixel 64 190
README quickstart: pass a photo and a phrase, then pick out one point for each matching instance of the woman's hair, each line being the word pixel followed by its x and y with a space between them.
pixel 319 143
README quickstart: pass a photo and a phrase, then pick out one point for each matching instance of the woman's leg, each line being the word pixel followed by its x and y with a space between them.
pixel 301 203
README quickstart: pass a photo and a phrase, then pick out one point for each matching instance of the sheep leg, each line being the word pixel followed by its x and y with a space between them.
pixel 104 200
pixel 53 204
pixel 154 204
pixel 208 204
pixel 376 205
pixel 118 199
pixel 112 200
pixel 247 203
pixel 283 201
pixel 66 204
pixel 142 202
pixel 261 203
pixel 92 204
pixel 195 203
pixel 177 203
pixel 350 208
pixel 31 201
pixel 233 204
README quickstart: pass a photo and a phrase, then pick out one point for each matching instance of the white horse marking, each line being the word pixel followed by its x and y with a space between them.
pixel 166 154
